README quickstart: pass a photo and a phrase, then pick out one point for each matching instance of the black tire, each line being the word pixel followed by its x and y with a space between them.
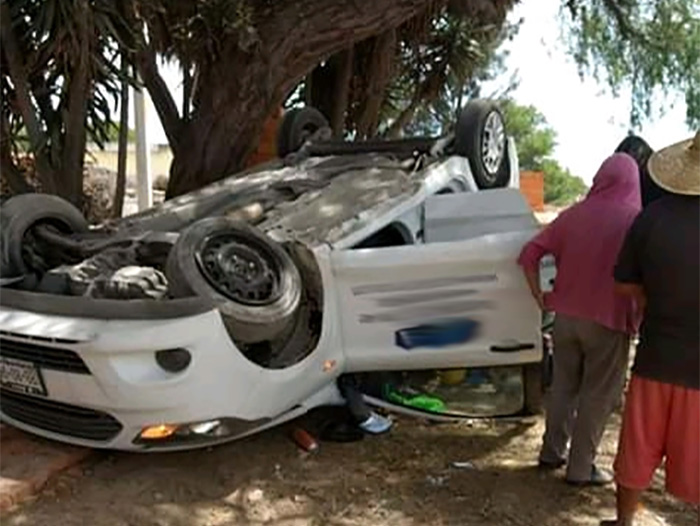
pixel 194 268
pixel 533 388
pixel 20 213
pixel 298 124
pixel 474 132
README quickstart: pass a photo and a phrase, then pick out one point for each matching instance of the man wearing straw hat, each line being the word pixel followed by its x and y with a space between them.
pixel 659 265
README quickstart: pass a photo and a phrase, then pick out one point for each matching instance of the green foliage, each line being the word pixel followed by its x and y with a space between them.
pixel 441 68
pixel 197 32
pixel 113 133
pixel 61 77
pixel 650 46
pixel 52 47
pixel 561 187
pixel 534 138
pixel 535 141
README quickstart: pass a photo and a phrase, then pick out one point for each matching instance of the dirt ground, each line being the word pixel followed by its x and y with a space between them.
pixel 404 478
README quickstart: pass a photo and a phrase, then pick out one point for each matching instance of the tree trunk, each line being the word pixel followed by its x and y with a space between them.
pixel 75 138
pixel 18 74
pixel 118 205
pixel 225 126
pixel 238 90
pixel 320 84
pixel 379 75
pixel 8 168
pixel 342 91
pixel 406 115
pixel 424 94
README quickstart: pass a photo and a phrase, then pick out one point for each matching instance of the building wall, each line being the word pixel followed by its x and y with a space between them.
pixel 532 187
pixel 162 157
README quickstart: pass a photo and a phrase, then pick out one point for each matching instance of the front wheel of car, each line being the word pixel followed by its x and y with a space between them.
pixel 480 136
pixel 251 279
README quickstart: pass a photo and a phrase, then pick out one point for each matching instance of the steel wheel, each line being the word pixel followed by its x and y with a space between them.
pixel 245 273
pixel 481 137
pixel 493 146
pixel 251 280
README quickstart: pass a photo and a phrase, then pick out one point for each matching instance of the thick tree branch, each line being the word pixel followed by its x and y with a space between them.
pixel 622 19
pixel 78 97
pixel 425 93
pixel 118 205
pixel 8 167
pixel 342 90
pixel 406 116
pixel 379 74
pixel 160 95
pixel 302 33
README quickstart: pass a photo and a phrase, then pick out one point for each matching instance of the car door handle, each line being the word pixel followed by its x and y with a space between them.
pixel 512 347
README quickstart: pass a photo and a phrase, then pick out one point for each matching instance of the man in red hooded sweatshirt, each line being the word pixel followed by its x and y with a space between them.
pixel 593 322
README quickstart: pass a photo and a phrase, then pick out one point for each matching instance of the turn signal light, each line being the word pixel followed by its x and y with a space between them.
pixel 158 432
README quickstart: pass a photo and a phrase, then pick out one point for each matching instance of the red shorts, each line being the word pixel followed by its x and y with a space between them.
pixel 661 421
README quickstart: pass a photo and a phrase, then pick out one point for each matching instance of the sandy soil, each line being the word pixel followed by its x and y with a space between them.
pixel 404 478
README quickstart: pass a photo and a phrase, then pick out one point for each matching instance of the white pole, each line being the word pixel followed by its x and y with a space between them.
pixel 144 186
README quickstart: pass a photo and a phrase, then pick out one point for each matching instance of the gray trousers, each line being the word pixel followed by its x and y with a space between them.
pixel 590 365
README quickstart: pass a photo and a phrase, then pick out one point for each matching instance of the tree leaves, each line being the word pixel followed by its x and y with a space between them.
pixel 535 141
pixel 648 46
pixel 69 51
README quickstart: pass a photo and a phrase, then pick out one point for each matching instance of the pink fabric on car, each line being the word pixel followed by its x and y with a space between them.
pixel 585 240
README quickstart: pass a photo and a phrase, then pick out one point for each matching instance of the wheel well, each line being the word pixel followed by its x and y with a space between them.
pixel 453 187
pixel 392 235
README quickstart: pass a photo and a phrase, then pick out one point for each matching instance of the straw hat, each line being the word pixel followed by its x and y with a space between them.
pixel 676 168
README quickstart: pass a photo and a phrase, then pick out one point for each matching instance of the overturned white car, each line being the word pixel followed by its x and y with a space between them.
pixel 232 309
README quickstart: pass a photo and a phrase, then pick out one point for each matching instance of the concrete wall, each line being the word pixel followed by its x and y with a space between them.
pixel 161 157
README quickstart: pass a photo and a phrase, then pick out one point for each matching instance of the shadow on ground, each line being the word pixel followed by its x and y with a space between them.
pixel 403 478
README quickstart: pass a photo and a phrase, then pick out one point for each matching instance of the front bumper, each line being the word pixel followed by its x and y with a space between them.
pixel 104 385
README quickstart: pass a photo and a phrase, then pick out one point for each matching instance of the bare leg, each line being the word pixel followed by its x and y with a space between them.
pixel 627 504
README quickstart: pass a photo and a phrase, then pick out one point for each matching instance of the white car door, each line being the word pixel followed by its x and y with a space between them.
pixel 459 300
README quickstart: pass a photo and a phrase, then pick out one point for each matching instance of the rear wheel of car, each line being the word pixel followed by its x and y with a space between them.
pixel 21 213
pixel 251 279
pixel 298 124
pixel 480 136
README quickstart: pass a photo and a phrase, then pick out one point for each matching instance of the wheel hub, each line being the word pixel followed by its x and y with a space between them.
pixel 493 144
pixel 240 269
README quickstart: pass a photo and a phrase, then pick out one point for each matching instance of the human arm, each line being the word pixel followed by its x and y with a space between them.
pixel 542 244
pixel 628 269
pixel 533 281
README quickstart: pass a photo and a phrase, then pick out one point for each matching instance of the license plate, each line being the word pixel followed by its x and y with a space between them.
pixel 22 376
